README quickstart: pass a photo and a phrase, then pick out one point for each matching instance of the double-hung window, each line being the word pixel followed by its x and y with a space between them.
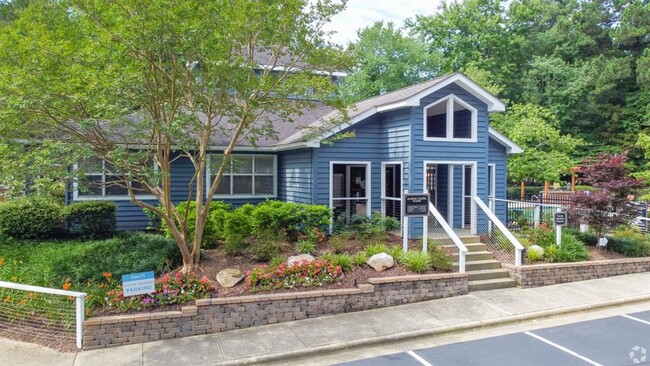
pixel 245 175
pixel 450 118
pixel 102 179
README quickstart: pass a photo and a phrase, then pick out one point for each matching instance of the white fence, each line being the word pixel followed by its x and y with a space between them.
pixel 39 312
pixel 497 236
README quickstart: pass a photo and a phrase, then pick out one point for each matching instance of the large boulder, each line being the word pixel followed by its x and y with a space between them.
pixel 299 258
pixel 381 262
pixel 229 277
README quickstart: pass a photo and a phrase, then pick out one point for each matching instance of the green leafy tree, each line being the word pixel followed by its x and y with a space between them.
pixel 136 81
pixel 387 60
pixel 547 153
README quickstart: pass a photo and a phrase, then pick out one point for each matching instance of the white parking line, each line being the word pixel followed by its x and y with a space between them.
pixel 418 358
pixel 636 319
pixel 591 362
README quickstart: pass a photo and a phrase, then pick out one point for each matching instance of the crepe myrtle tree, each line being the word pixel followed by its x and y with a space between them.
pixel 142 83
pixel 608 205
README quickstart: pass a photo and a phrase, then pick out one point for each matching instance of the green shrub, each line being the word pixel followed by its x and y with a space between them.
pixel 276 261
pixel 91 219
pixel 264 249
pixel 306 246
pixel 365 227
pixel 629 247
pixel 345 261
pixel 395 252
pixel 238 227
pixel 30 218
pixel 542 235
pixel 571 250
pixel 288 219
pixel 127 252
pixel 359 259
pixel 213 230
pixel 339 242
pixel 588 238
pixel 534 255
pixel 416 261
pixel 440 258
pixel 376 248
pixel 629 232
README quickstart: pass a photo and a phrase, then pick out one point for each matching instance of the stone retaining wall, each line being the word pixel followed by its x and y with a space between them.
pixel 553 273
pixel 221 314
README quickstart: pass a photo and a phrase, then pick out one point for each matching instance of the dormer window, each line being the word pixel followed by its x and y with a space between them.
pixel 450 118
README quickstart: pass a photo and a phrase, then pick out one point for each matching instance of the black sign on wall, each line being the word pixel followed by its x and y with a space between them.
pixel 416 204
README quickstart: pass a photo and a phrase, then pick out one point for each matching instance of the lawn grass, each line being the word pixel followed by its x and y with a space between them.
pixel 51 263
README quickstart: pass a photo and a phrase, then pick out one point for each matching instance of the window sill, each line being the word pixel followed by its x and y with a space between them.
pixel 240 196
pixel 444 139
pixel 141 197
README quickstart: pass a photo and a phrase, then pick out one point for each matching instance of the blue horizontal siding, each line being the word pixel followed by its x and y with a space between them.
pixel 295 176
pixel 449 150
pixel 498 157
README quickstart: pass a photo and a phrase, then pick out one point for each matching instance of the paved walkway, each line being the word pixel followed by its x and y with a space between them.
pixel 339 332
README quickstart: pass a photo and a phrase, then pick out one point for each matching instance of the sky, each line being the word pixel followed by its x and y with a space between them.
pixel 363 13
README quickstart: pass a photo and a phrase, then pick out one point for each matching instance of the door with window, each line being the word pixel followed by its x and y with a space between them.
pixel 350 191
pixel 391 198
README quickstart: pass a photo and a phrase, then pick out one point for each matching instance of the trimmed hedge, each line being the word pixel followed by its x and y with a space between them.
pixel 30 218
pixel 91 219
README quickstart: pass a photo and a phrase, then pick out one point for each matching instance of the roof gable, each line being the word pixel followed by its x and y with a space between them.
pixel 401 98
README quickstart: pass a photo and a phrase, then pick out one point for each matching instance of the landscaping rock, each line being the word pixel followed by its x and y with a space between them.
pixel 229 277
pixel 381 262
pixel 299 258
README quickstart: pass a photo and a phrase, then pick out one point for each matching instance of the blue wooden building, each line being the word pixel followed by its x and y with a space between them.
pixel 430 137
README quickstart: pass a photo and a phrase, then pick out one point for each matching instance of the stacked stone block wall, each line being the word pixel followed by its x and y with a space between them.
pixel 222 314
pixel 553 273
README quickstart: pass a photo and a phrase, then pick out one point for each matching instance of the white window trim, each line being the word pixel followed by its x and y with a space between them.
pixel 450 99
pixel 208 179
pixel 368 196
pixel 77 197
pixel 382 195
pixel 474 189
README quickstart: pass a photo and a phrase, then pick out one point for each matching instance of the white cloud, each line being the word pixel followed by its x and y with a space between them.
pixel 362 13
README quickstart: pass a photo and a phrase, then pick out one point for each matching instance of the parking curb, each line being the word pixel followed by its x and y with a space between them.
pixel 404 336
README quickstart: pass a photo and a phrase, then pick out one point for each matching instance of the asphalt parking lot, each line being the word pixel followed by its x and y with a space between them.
pixel 617 341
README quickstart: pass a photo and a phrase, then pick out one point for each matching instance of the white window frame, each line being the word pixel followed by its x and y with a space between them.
pixel 368 196
pixel 103 197
pixel 449 100
pixel 208 178
pixel 383 186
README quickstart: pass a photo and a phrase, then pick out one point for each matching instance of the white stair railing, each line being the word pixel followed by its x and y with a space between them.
pixel 462 249
pixel 500 240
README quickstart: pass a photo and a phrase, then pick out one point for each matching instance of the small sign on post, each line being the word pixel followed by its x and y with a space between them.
pixel 138 283
pixel 416 204
pixel 559 219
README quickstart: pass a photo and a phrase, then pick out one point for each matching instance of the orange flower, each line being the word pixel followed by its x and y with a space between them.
pixel 66 286
pixel 7 299
pixel 31 295
pixel 107 275
pixel 2 261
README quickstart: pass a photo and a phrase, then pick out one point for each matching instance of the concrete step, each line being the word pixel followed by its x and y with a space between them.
pixel 487 274
pixel 478 256
pixel 491 284
pixel 480 265
pixel 470 239
pixel 471 247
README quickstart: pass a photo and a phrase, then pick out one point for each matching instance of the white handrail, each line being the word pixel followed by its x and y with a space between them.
pixel 495 220
pixel 462 249
pixel 79 302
